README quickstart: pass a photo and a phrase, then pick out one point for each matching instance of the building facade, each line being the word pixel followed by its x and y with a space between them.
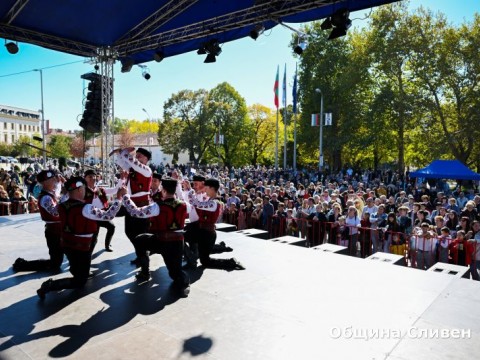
pixel 16 122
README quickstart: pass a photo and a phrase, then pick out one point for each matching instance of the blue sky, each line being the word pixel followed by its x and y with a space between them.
pixel 248 65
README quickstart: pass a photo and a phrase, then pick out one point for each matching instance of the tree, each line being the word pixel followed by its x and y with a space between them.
pixel 78 146
pixel 260 137
pixel 59 146
pixel 197 130
pixel 229 112
pixel 126 138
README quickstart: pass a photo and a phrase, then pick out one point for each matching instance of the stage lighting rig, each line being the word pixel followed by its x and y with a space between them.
pixel 12 47
pixel 127 65
pixel 257 31
pixel 145 72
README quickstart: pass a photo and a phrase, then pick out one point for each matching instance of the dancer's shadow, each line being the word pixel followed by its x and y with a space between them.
pixel 124 303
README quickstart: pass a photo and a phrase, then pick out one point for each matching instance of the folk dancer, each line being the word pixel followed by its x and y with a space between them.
pixel 79 223
pixel 48 204
pixel 165 236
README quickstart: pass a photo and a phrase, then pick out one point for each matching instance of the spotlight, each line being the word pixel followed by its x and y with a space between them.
pixel 212 49
pixel 158 56
pixel 127 65
pixel 257 31
pixel 12 47
pixel 301 46
pixel 340 23
pixel 145 72
pixel 201 51
pixel 210 59
pixel 96 67
pixel 326 24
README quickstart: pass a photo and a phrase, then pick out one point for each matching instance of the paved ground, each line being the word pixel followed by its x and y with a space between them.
pixel 290 303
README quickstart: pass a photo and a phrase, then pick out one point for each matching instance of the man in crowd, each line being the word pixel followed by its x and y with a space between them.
pixel 138 182
pixel 165 235
pixel 48 205
pixel 78 227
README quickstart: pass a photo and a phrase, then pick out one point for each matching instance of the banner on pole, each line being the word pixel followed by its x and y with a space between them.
pixel 328 119
pixel 219 139
pixel 315 119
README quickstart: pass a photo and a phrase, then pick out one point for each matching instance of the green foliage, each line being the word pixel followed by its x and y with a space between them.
pixel 59 146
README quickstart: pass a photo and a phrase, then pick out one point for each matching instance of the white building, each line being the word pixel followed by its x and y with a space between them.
pixel 16 122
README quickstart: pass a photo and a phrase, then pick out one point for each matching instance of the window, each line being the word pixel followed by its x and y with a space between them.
pixel 5 125
pixel 13 139
pixel 13 126
pixel 5 138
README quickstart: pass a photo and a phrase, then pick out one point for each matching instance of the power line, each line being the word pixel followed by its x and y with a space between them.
pixel 46 67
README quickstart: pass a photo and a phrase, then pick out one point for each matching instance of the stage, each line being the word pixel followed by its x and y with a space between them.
pixel 291 302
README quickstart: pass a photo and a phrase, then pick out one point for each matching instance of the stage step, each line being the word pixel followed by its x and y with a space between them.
pixel 388 258
pixel 451 269
pixel 256 233
pixel 290 240
pixel 332 248
pixel 225 227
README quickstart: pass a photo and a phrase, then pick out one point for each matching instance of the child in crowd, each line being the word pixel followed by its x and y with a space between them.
pixel 342 232
pixel 442 247
pixel 460 250
pixel 292 226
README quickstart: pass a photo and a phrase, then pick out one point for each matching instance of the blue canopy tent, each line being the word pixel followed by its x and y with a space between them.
pixel 140 31
pixel 446 169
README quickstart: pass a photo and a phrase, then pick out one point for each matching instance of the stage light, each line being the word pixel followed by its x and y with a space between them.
pixel 127 65
pixel 145 72
pixel 12 47
pixel 212 49
pixel 340 23
pixel 257 31
pixel 301 46
pixel 210 59
pixel 201 50
pixel 158 56
pixel 326 24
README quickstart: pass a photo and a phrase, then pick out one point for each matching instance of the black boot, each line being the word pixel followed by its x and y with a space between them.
pixel 46 287
pixel 108 246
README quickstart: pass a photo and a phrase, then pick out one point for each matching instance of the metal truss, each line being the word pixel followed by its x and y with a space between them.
pixel 262 11
pixel 166 13
pixel 143 37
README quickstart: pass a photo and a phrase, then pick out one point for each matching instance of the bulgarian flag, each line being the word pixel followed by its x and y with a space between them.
pixel 275 89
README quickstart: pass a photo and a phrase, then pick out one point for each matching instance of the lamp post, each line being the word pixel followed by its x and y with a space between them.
pixel 44 144
pixel 320 145
pixel 149 125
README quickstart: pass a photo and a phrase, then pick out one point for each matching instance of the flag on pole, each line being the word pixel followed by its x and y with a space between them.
pixel 315 119
pixel 275 89
pixel 328 119
pixel 284 94
pixel 294 92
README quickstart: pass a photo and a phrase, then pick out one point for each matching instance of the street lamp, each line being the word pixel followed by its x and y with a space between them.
pixel 44 145
pixel 149 128
pixel 320 146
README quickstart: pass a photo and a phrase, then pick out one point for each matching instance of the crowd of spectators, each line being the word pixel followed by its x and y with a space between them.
pixel 364 210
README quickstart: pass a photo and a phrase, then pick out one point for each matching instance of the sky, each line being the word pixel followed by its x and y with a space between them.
pixel 249 66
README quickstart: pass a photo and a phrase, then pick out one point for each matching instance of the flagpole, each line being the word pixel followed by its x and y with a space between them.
pixel 276 145
pixel 295 141
pixel 285 119
pixel 294 96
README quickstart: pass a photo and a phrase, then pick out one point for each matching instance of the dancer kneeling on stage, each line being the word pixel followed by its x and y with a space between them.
pixel 208 213
pixel 165 235
pixel 78 225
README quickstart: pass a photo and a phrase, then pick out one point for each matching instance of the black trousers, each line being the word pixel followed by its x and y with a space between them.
pixel 110 227
pixel 205 240
pixel 79 267
pixel 135 226
pixel 171 252
pixel 55 251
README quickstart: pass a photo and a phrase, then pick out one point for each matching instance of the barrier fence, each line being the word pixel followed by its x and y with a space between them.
pixel 421 250
pixel 18 207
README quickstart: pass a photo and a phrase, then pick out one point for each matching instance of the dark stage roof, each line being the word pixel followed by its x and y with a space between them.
pixel 139 29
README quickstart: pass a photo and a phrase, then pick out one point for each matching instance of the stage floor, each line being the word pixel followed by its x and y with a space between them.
pixel 290 303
